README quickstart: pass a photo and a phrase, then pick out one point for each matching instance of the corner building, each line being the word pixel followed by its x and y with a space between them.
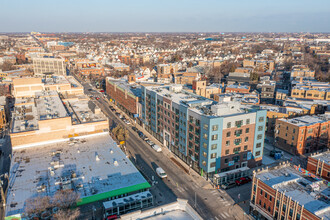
pixel 210 136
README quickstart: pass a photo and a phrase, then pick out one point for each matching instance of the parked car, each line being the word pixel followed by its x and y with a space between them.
pixel 135 129
pixel 228 185
pixel 273 152
pixel 150 143
pixel 161 173
pixel 97 98
pixel 157 148
pixel 242 181
pixel 127 122
pixel 118 114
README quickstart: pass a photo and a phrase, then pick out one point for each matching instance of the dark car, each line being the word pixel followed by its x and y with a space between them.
pixel 140 134
pixel 135 129
pixel 228 185
pixel 242 181
pixel 273 152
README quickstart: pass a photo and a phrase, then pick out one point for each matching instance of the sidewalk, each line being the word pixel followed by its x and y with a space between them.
pixel 199 180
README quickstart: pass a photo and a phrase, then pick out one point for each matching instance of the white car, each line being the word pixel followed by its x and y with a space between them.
pixel 157 148
pixel 150 143
pixel 161 173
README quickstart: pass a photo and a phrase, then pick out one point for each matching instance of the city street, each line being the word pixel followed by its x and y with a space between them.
pixel 209 202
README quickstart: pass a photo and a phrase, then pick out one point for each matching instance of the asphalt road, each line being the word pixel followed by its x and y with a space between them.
pixel 209 203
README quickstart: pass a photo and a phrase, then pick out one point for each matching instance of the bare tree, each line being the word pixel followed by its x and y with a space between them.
pixel 67 214
pixel 37 205
pixel 120 133
pixel 65 198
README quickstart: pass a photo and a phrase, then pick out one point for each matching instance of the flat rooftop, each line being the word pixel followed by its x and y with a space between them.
pixel 133 89
pixel 199 104
pixel 325 156
pixel 90 166
pixel 307 120
pixel 311 193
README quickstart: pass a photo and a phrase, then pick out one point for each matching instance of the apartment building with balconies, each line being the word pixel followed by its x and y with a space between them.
pixel 210 136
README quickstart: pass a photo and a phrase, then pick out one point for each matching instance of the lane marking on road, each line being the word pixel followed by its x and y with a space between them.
pixel 216 217
pixel 223 216
pixel 226 214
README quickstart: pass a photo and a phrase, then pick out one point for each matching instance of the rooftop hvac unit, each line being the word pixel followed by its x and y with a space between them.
pixel 97 158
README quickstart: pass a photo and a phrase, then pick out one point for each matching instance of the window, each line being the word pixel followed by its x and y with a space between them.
pixel 245 147
pixel 254 187
pixel 206 126
pixel 229 125
pixel 291 212
pixel 227 152
pixel 257 153
pixel 204 154
pixel 215 127
pixel 259 137
pixel 213 155
pixel 258 145
pixel 205 145
pixel 212 164
pixel 270 198
pixel 284 208
pixel 214 137
pixel 238 141
pixel 247 130
pixel 298 216
pixel 227 143
pixel 268 208
pixel 260 128
pixel 247 121
pixel 261 192
pixel 239 123
pixel 204 163
pixel 236 150
pixel 259 202
pixel 261 119
pixel 226 160
pixel 266 195
pixel 277 203
pixel 213 146
pixel 205 136
pixel 246 139
pixel 228 134
pixel 264 205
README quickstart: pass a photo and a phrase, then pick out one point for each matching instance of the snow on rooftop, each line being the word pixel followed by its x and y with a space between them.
pixel 307 191
pixel 306 120
pixel 89 166
pixel 325 156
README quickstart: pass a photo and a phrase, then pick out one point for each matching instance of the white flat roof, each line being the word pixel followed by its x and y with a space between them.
pixel 89 166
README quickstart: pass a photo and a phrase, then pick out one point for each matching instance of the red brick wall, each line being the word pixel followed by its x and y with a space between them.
pixel 119 96
pixel 312 167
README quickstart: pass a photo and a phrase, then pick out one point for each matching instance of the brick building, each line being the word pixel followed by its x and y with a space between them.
pixel 288 192
pixel 319 164
pixel 3 112
pixel 237 88
pixel 301 135
pixel 125 95
pixel 276 112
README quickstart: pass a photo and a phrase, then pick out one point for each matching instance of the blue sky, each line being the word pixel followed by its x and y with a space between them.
pixel 165 15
